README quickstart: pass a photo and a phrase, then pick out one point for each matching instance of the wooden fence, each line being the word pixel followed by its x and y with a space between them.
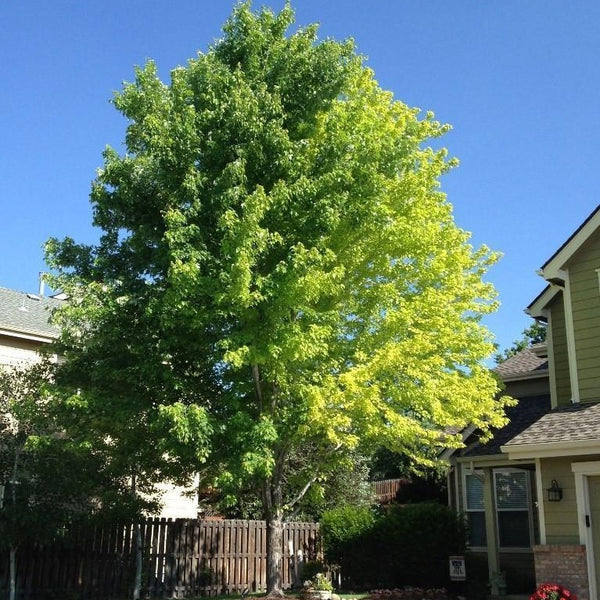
pixel 386 489
pixel 182 558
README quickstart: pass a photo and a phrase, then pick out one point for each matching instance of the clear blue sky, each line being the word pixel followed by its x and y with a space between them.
pixel 519 81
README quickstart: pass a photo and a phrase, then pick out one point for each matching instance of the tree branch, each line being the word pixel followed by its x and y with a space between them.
pixel 303 492
pixel 305 489
pixel 257 387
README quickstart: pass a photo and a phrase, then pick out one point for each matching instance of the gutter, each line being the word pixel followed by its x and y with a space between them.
pixel 551 449
pixel 34 337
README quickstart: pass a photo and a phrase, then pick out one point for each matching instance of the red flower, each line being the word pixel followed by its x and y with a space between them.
pixel 552 591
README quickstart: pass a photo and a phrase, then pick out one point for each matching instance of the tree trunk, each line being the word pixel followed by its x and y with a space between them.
pixel 137 582
pixel 274 554
pixel 272 498
pixel 138 560
pixel 13 546
pixel 273 509
pixel 13 572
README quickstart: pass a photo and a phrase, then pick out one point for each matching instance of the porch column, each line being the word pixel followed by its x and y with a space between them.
pixel 490 529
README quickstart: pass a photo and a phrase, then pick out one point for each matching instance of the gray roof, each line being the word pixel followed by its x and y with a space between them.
pixel 573 423
pixel 29 314
pixel 526 362
pixel 520 417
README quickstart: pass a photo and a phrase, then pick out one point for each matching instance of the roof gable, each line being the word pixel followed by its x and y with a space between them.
pixel 551 268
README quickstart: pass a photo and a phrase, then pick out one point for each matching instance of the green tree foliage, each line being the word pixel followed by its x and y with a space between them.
pixel 344 481
pixel 46 482
pixel 346 484
pixel 534 334
pixel 278 269
pixel 33 499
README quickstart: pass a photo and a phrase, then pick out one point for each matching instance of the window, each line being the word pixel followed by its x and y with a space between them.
pixel 511 489
pixel 512 504
pixel 475 510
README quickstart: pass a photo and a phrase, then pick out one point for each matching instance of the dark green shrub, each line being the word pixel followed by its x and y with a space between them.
pixel 410 545
pixel 476 587
pixel 424 536
pixel 341 526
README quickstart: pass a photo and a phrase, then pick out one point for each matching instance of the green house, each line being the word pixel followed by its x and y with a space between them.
pixel 532 494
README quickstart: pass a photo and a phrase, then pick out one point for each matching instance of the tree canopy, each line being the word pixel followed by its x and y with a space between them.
pixel 278 268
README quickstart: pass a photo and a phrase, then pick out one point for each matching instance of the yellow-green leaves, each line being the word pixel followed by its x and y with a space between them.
pixel 279 254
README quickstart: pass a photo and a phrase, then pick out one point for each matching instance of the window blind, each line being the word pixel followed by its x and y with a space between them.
pixel 474 495
pixel 511 490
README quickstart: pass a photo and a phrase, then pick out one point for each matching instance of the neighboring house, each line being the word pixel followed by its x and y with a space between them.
pixel 24 330
pixel 559 450
pixel 24 326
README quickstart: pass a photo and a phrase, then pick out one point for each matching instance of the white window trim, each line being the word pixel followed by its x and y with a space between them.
pixel 529 510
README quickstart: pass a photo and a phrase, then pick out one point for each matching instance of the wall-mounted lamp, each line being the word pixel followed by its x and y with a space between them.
pixel 554 492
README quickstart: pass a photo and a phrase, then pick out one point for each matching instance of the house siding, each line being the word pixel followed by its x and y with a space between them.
pixel 560 352
pixel 585 298
pixel 453 487
pixel 16 351
pixel 572 274
pixel 528 388
pixel 560 517
pixel 179 502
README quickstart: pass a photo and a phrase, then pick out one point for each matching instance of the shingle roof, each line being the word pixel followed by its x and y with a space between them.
pixel 526 362
pixel 27 313
pixel 574 423
pixel 521 416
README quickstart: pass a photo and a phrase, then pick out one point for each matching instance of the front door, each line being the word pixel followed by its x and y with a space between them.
pixel 587 490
